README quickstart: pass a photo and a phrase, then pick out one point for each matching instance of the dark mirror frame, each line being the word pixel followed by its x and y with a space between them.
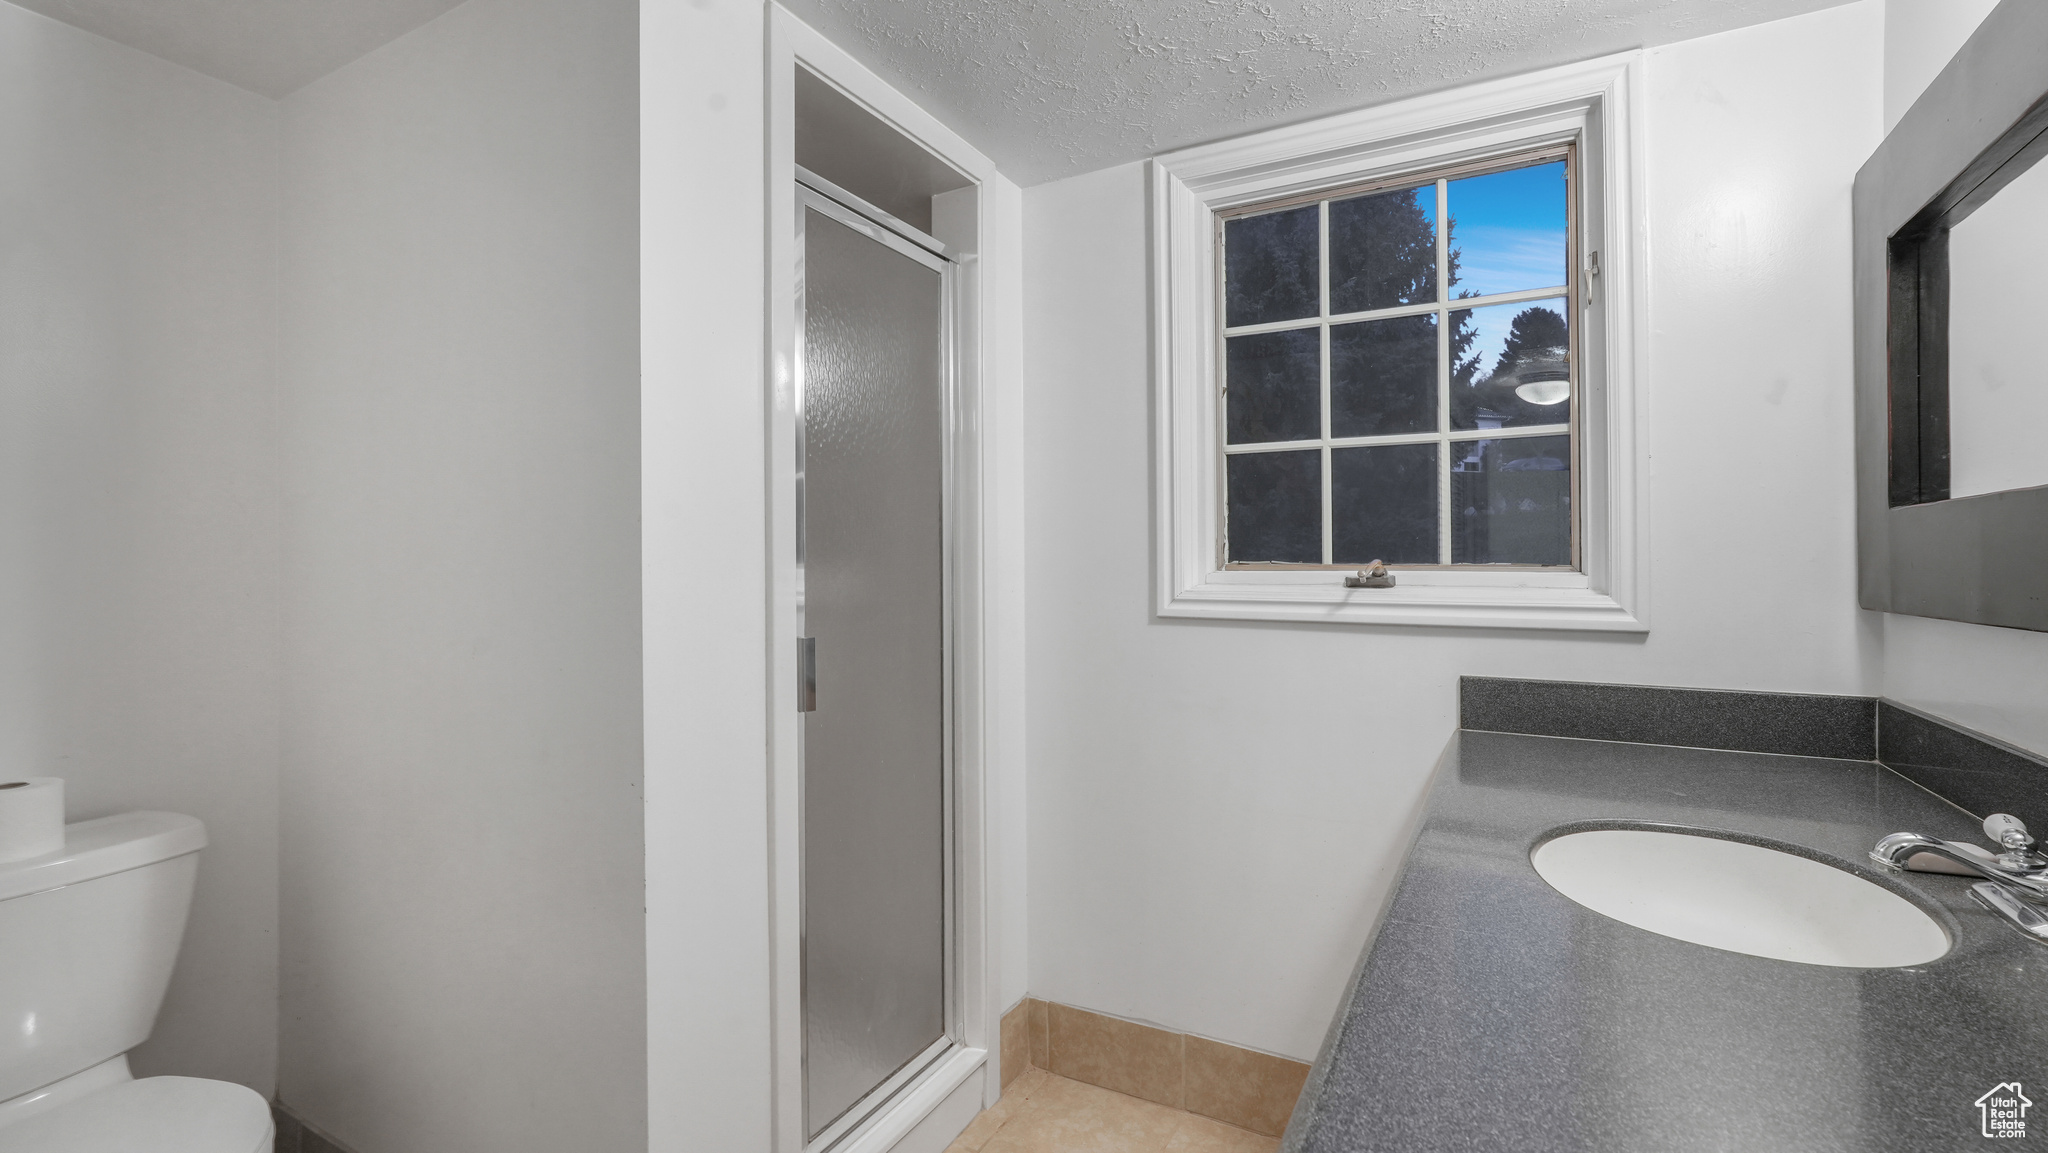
pixel 1980 559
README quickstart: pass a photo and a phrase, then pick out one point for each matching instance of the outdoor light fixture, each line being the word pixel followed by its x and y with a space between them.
pixel 1548 386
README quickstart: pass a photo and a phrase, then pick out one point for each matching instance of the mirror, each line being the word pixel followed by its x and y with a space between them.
pixel 1997 372
pixel 1951 239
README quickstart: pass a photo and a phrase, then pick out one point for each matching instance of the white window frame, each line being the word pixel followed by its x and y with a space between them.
pixel 1591 104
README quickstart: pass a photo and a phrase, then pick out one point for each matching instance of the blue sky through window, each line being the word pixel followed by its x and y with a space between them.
pixel 1510 231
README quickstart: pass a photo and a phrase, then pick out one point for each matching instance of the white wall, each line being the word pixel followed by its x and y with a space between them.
pixel 1920 37
pixel 138 487
pixel 1216 810
pixel 709 1069
pixel 1993 680
pixel 463 962
pixel 1989 679
pixel 1006 689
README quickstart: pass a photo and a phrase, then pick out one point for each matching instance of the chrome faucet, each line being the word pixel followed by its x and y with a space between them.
pixel 2015 884
pixel 2018 866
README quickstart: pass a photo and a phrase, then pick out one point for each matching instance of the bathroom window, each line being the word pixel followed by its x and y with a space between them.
pixel 1406 334
pixel 1397 370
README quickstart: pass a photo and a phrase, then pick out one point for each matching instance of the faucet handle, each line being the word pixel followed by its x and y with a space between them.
pixel 2008 832
pixel 2012 836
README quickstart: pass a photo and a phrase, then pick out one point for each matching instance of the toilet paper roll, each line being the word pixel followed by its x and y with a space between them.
pixel 31 817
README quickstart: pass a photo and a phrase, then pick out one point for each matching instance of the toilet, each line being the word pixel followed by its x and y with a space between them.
pixel 88 936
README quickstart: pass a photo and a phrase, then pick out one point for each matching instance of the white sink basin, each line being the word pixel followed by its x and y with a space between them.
pixel 1740 897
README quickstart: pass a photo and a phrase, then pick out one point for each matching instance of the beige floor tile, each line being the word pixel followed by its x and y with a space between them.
pixel 993 1118
pixel 1065 1116
pixel 1044 1113
pixel 1201 1135
pixel 984 1126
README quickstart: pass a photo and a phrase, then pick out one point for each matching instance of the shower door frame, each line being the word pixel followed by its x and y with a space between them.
pixel 940 1081
pixel 813 195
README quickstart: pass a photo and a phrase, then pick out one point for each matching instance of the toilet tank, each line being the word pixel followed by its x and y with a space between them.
pixel 88 936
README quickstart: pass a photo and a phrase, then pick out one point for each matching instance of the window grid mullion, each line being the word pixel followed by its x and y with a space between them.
pixel 1455 436
pixel 1519 296
pixel 1443 372
pixel 1323 281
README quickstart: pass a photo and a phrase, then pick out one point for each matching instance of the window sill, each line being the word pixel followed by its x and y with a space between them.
pixel 1554 601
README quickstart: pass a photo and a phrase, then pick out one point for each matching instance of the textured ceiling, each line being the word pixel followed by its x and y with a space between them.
pixel 267 46
pixel 1049 88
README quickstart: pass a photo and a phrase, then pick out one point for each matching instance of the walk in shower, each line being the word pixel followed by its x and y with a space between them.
pixel 873 419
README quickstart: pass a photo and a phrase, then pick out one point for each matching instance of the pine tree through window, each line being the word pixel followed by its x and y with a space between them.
pixel 1396 391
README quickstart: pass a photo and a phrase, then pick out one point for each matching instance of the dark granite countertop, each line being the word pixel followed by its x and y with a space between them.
pixel 1490 1012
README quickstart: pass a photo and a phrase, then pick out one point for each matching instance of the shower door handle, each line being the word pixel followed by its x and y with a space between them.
pixel 807 674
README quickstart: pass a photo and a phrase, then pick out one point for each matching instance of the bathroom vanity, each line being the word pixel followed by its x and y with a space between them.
pixel 1491 1012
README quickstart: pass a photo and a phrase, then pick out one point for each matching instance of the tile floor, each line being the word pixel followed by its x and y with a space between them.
pixel 1044 1113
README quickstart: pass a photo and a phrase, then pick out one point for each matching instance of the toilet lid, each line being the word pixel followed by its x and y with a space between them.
pixel 152 1115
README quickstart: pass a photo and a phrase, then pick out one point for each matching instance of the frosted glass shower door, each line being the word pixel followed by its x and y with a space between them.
pixel 872 551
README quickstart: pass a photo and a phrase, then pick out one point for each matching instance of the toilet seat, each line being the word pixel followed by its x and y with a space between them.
pixel 152 1115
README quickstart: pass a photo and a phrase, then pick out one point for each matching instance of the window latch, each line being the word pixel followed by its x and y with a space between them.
pixel 1372 576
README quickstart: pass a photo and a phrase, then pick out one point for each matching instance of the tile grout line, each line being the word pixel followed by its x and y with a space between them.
pixel 1184 1071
